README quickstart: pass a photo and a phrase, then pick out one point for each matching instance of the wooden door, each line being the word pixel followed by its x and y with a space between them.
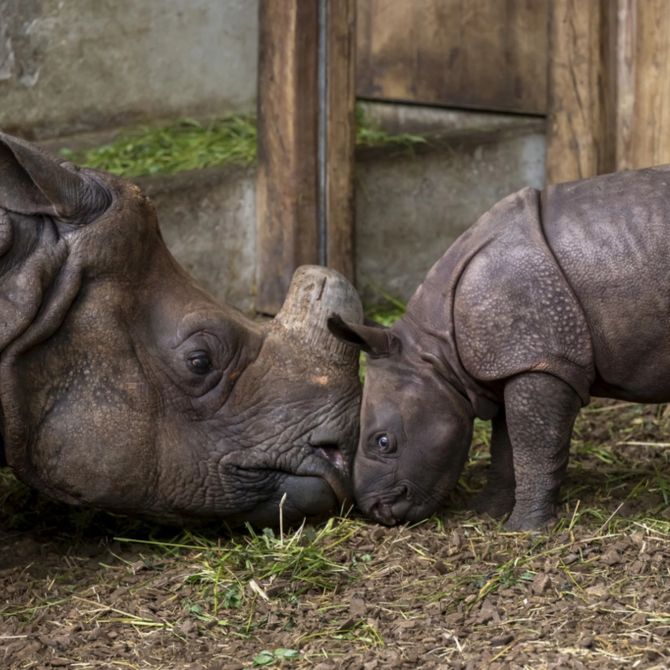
pixel 480 54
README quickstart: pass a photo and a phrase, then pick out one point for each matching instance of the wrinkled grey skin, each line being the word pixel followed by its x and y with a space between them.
pixel 547 300
pixel 126 387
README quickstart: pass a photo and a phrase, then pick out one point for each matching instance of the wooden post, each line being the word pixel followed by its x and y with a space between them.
pixel 304 196
pixel 622 67
pixel 286 187
pixel 609 86
pixel 577 123
pixel 341 136
pixel 650 113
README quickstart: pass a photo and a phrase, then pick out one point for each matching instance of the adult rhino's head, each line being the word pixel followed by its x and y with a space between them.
pixel 125 386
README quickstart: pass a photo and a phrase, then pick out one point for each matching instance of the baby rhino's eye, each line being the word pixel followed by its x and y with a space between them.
pixel 385 442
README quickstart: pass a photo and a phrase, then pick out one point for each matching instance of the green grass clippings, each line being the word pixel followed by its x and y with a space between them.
pixel 191 145
pixel 185 145
pixel 371 134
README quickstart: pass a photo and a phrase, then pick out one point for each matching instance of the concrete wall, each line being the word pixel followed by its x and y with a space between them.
pixel 208 221
pixel 75 65
pixel 410 206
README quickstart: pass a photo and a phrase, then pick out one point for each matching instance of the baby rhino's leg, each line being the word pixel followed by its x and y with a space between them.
pixel 497 497
pixel 540 410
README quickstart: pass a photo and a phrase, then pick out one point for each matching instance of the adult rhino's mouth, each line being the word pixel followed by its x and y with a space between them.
pixel 333 454
pixel 328 463
pixel 333 442
pixel 312 491
pixel 323 463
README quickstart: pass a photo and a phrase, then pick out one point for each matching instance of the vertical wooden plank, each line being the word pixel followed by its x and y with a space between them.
pixel 609 87
pixel 650 134
pixel 577 123
pixel 286 187
pixel 623 39
pixel 304 179
pixel 341 136
pixel 364 37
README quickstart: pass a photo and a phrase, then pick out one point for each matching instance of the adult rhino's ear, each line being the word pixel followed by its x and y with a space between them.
pixel 376 340
pixel 32 182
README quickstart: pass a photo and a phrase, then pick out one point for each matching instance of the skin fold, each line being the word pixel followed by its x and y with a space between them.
pixel 549 299
pixel 125 386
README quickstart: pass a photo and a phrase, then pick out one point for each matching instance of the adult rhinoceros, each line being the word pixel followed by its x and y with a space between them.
pixel 125 386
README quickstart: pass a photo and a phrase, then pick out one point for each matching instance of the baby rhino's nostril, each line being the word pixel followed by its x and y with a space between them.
pixel 381 513
pixel 401 504
pixel 395 511
pixel 401 508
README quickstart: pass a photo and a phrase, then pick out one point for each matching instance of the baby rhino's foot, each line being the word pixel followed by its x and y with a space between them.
pixel 523 519
pixel 494 501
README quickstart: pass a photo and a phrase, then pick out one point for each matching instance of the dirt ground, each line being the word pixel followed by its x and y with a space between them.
pixel 88 590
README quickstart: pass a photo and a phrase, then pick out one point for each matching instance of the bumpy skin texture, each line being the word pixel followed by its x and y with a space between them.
pixel 547 300
pixel 125 386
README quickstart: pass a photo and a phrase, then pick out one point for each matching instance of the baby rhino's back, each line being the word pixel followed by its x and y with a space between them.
pixel 611 237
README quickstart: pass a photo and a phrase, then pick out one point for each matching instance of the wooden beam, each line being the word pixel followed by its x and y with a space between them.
pixel 609 86
pixel 577 122
pixel 622 38
pixel 649 144
pixel 341 136
pixel 286 186
pixel 304 197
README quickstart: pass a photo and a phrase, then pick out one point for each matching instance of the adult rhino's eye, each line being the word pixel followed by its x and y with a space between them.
pixel 199 362
pixel 384 442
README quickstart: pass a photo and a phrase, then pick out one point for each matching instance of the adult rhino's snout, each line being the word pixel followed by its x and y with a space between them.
pixel 328 367
pixel 319 374
pixel 336 480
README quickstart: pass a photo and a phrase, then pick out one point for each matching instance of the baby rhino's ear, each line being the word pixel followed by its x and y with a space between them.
pixel 377 341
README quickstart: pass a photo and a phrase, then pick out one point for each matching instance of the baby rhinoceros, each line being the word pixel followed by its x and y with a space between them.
pixel 548 299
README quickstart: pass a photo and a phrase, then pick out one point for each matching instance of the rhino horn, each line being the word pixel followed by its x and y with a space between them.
pixel 32 182
pixel 315 294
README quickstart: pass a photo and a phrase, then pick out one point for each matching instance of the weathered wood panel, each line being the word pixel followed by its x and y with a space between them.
pixel 304 200
pixel 341 136
pixel 650 122
pixel 286 197
pixel 485 54
pixel 578 83
pixel 609 86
